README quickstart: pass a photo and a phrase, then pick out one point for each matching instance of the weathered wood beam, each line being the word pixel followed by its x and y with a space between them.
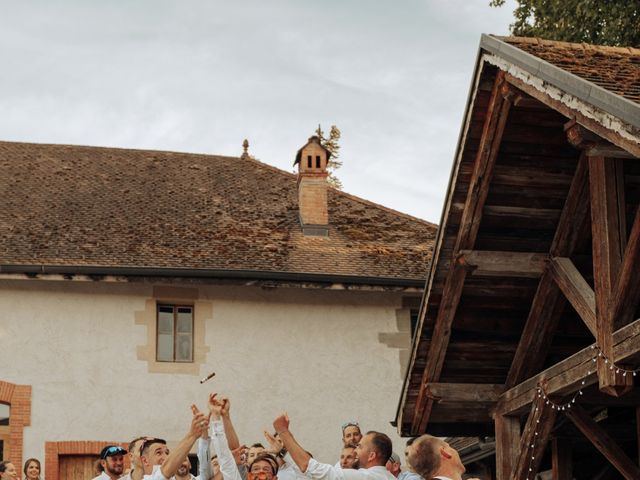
pixel 591 124
pixel 566 377
pixel 464 392
pixel 507 445
pixel 497 114
pixel 591 143
pixel 534 440
pixel 609 239
pixel 575 289
pixel 561 465
pixel 627 292
pixel 603 442
pixel 504 264
pixel 548 303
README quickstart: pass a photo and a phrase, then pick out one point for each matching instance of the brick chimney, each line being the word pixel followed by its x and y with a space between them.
pixel 312 161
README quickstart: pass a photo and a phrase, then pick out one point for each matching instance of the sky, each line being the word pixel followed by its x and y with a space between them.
pixel 202 75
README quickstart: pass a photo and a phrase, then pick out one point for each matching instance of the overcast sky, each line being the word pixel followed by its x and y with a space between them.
pixel 202 75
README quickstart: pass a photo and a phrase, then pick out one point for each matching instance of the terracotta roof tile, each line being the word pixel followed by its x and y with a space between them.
pixel 76 205
pixel 615 68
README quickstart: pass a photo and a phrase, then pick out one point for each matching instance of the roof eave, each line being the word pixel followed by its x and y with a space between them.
pixel 620 107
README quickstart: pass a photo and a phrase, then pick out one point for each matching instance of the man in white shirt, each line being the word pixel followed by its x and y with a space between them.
pixel 433 458
pixel 372 452
pixel 112 462
pixel 162 464
pixel 347 457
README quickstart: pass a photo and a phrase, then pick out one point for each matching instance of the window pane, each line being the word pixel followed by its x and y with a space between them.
pixel 4 414
pixel 184 320
pixel 184 348
pixel 165 348
pixel 165 321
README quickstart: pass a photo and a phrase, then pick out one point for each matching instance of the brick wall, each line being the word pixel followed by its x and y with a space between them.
pixel 54 450
pixel 18 397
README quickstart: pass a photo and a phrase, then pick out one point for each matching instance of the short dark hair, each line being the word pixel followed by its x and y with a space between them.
pixel 133 442
pixel 411 440
pixel 266 457
pixel 382 445
pixel 3 466
pixel 257 445
pixel 426 458
pixel 147 443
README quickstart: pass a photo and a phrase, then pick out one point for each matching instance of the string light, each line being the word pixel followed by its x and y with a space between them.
pixel 543 397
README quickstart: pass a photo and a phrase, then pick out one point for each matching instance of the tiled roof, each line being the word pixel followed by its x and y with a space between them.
pixel 616 69
pixel 85 206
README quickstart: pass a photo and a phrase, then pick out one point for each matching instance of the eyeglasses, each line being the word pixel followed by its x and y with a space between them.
pixel 350 424
pixel 112 451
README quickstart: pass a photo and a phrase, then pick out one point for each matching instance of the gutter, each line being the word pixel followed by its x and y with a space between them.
pixel 208 273
pixel 599 97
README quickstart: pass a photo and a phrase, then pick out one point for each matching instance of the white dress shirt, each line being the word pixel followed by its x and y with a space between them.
pixel 324 471
pixel 228 466
pixel 204 465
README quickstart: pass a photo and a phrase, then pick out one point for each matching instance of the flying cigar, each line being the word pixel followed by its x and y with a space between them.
pixel 208 377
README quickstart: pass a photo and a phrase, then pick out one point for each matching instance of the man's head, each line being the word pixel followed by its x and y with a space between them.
pixel 134 450
pixel 112 460
pixel 373 450
pixel 351 434
pixel 153 452
pixel 393 465
pixel 430 456
pixel 263 467
pixel 347 457
pixel 254 451
pixel 184 468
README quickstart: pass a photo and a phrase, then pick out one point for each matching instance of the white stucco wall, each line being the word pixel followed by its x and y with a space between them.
pixel 316 354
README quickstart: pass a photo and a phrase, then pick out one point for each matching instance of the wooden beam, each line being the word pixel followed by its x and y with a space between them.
pixel 591 124
pixel 504 264
pixel 507 445
pixel 592 144
pixel 565 377
pixel 464 392
pixel 561 464
pixel 534 439
pixel 627 292
pixel 575 289
pixel 609 238
pixel 497 113
pixel 548 303
pixel 603 442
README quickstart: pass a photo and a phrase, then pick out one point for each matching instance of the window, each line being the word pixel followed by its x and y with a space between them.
pixel 174 333
pixel 309 161
pixel 318 161
pixel 5 411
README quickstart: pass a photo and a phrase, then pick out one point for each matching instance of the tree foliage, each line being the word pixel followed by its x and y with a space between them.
pixel 332 143
pixel 601 22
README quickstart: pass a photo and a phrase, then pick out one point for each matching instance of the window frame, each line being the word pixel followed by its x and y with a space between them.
pixel 175 307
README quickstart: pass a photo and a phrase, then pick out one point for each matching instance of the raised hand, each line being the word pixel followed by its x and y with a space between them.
pixel 281 423
pixel 275 444
pixel 217 405
pixel 240 454
pixel 199 422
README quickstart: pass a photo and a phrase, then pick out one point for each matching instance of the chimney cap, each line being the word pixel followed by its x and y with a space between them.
pixel 312 139
pixel 245 148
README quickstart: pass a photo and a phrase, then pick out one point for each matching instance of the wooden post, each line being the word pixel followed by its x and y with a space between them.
pixel 561 466
pixel 507 445
pixel 534 439
pixel 607 191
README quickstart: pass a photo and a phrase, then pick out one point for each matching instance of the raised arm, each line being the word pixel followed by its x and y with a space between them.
pixel 230 432
pixel 298 454
pixel 199 422
pixel 228 465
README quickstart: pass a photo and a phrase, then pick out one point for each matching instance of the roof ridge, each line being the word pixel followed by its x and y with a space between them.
pixel 256 161
pixel 564 44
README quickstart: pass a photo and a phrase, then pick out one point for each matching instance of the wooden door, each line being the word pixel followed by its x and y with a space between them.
pixel 77 467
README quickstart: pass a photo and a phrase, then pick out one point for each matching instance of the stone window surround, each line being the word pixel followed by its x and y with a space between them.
pixel 18 397
pixel 202 312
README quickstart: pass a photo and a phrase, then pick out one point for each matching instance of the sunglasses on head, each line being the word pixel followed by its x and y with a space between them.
pixel 112 451
pixel 350 424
